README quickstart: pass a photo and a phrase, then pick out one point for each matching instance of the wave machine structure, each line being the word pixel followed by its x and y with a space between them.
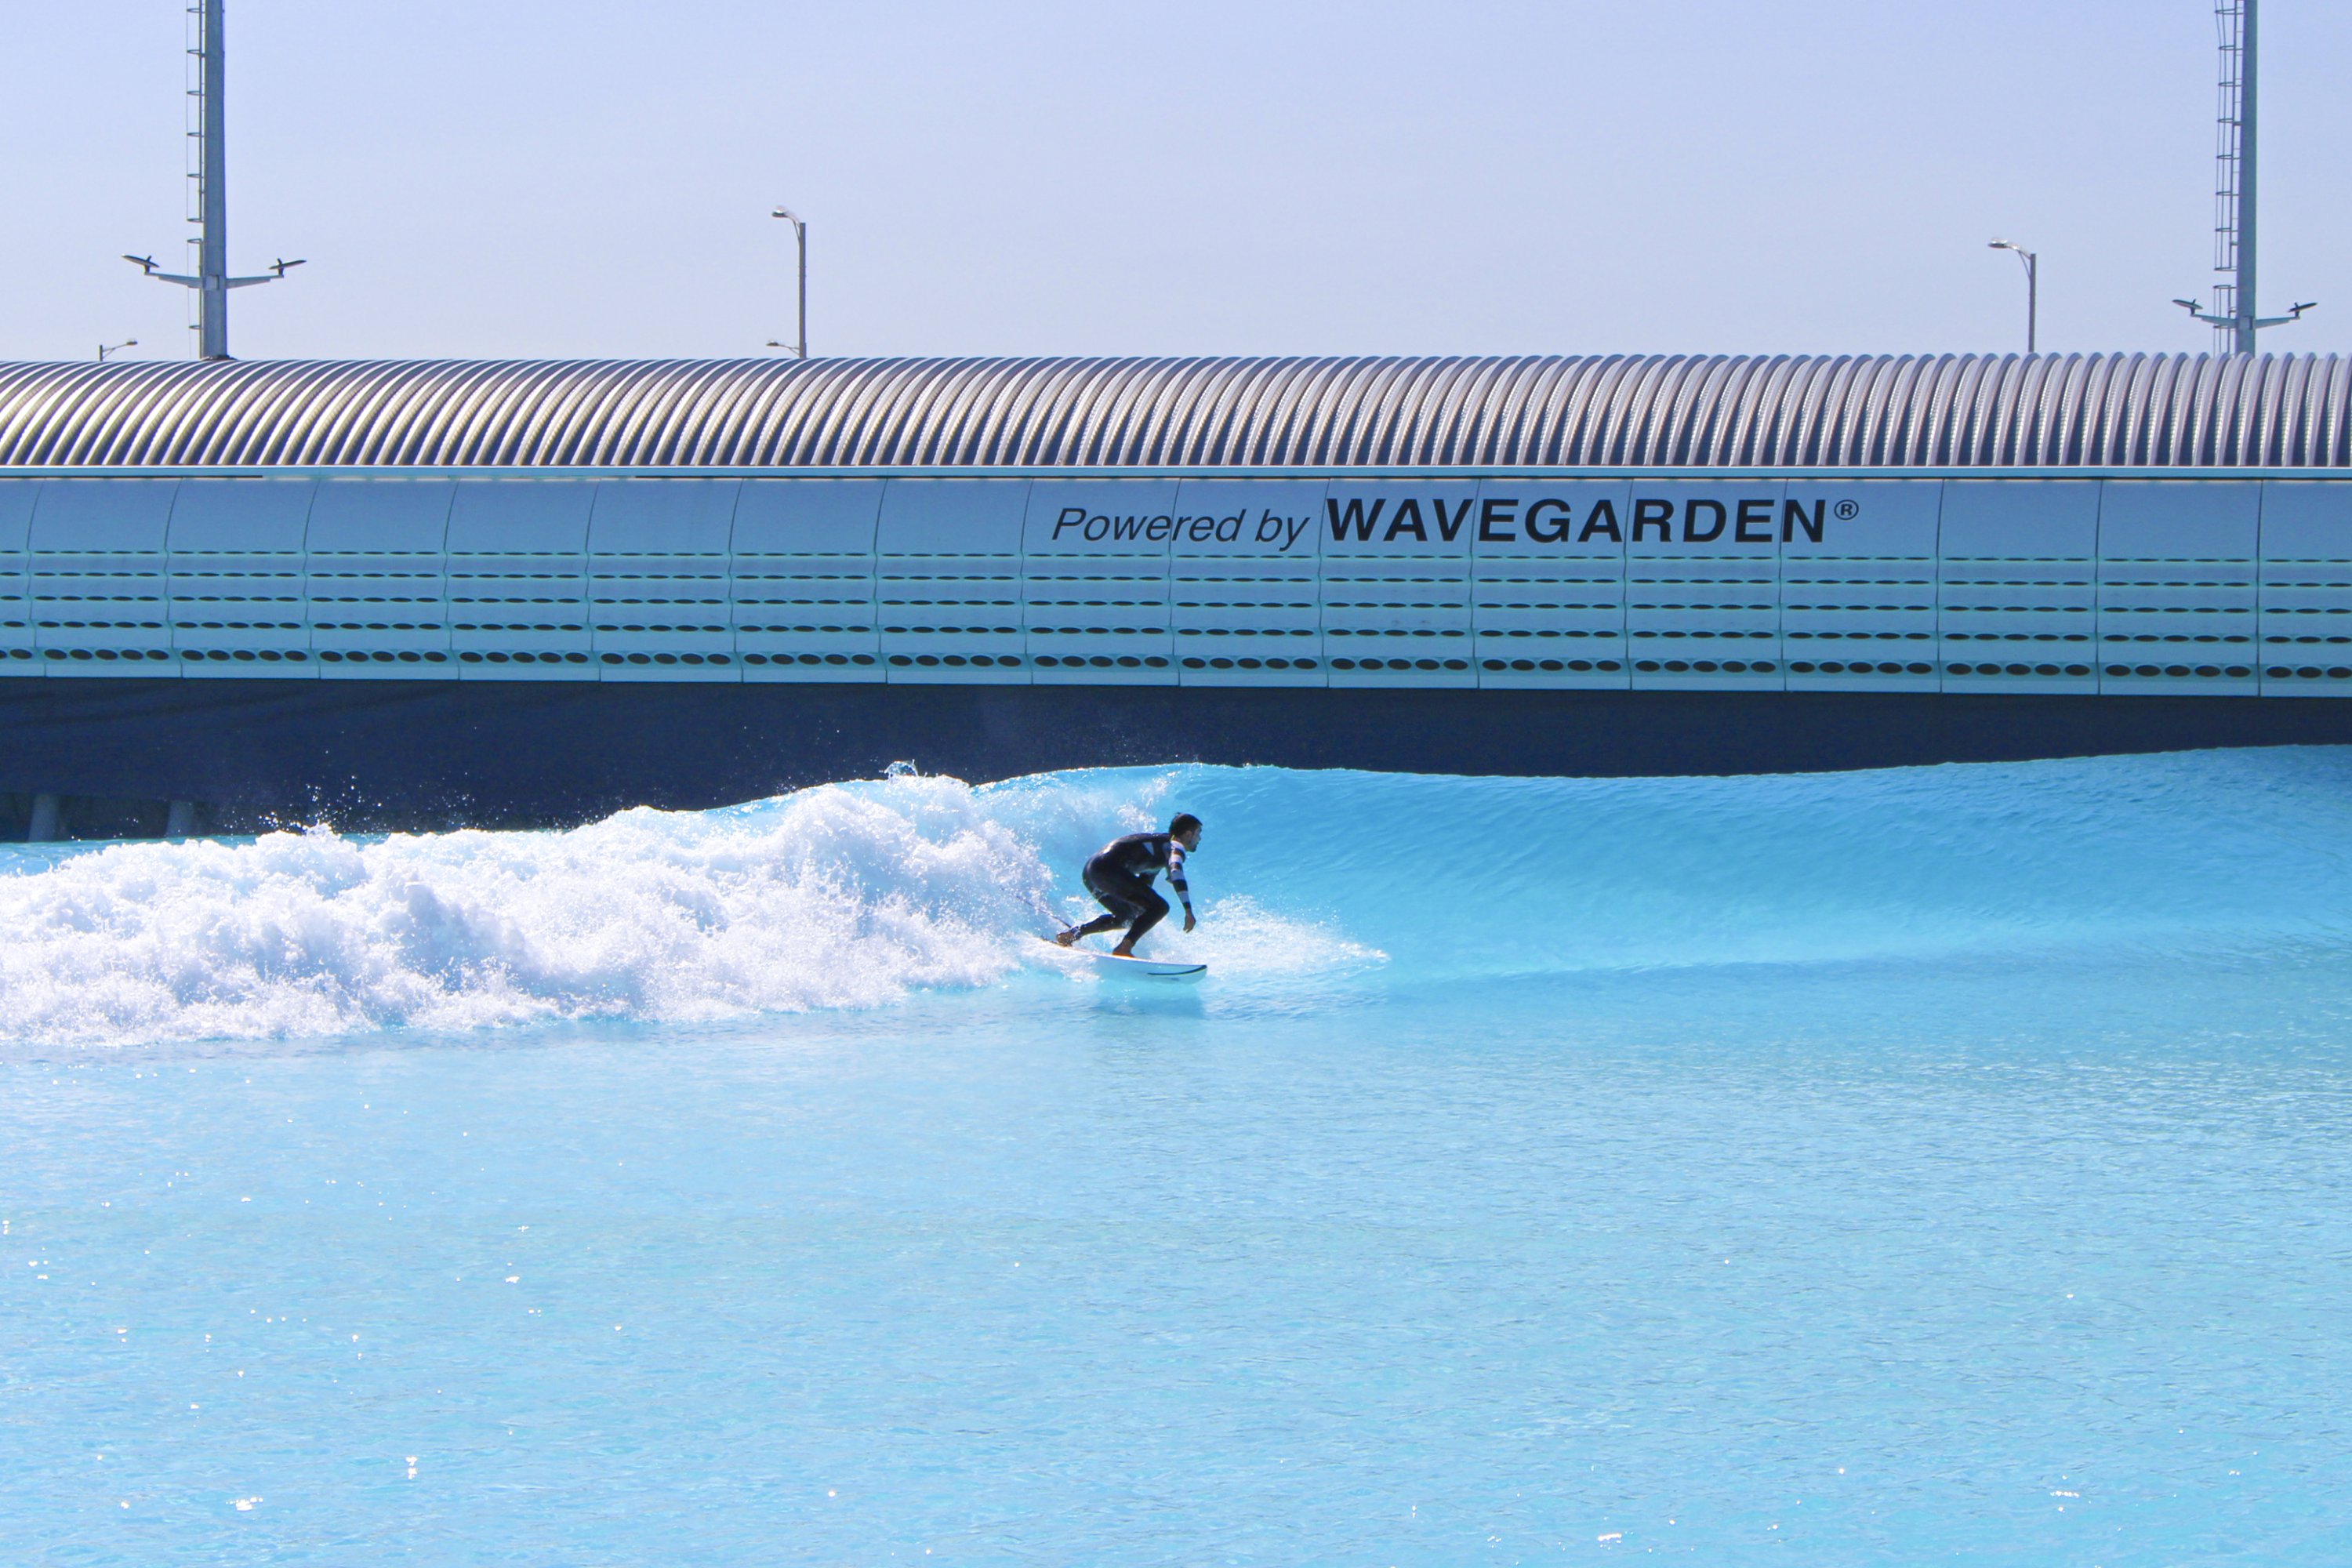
pixel 417 593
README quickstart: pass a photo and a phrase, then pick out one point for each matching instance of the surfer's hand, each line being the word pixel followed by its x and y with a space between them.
pixel 1189 921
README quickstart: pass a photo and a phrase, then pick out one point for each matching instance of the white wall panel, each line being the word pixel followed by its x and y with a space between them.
pixel 374 579
pixel 1703 585
pixel 2305 594
pixel 804 580
pixel 1999 585
pixel 236 577
pixel 1547 584
pixel 98 570
pixel 657 579
pixel 2177 569
pixel 2018 585
pixel 1858 605
pixel 947 580
pixel 1093 581
pixel 18 655
pixel 518 558
pixel 1396 582
pixel 1244 596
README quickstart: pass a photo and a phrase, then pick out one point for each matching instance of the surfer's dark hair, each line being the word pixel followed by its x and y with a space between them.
pixel 1185 823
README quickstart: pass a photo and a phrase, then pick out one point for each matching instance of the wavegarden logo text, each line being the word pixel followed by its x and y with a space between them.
pixel 1550 521
pixel 1438 520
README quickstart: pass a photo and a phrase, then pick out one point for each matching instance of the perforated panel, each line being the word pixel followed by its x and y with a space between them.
pixel 2038 584
pixel 17 654
pixel 804 580
pixel 519 579
pixel 1244 597
pixel 1858 604
pixel 374 579
pixel 2306 598
pixel 98 572
pixel 657 579
pixel 236 577
pixel 1548 579
pixel 948 568
pixel 1093 581
pixel 2018 587
pixel 1396 583
pixel 1702 585
pixel 2177 569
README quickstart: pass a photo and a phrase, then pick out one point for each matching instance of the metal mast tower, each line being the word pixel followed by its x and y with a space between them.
pixel 208 186
pixel 2233 317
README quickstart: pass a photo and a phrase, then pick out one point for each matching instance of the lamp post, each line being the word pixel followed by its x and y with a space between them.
pixel 799 236
pixel 211 279
pixel 106 349
pixel 2032 286
pixel 2235 321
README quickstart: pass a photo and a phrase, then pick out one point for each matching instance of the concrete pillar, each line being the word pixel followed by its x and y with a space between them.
pixel 46 813
pixel 181 822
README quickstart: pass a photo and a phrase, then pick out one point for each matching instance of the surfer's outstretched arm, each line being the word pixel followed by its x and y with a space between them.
pixel 1176 881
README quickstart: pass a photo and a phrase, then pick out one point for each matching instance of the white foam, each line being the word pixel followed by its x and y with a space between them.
pixel 836 896
pixel 845 896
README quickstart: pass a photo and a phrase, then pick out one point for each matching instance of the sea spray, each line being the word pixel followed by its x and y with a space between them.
pixel 844 896
pixel 839 897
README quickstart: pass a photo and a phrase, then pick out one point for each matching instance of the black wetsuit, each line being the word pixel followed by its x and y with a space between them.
pixel 1120 877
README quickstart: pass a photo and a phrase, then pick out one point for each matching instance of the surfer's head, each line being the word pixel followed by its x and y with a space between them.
pixel 1186 830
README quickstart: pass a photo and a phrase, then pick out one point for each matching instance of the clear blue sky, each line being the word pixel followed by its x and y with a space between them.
pixel 532 178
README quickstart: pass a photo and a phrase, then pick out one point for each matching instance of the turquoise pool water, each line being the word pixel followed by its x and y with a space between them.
pixel 1945 1164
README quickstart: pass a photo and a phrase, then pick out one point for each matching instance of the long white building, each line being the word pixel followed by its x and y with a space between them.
pixel 358 588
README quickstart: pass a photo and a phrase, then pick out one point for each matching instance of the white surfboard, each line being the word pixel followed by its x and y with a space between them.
pixel 1110 966
pixel 1111 963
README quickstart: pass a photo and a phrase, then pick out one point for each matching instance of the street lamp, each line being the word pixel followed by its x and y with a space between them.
pixel 2032 285
pixel 800 234
pixel 106 349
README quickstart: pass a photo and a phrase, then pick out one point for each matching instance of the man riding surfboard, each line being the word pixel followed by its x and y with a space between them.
pixel 1120 875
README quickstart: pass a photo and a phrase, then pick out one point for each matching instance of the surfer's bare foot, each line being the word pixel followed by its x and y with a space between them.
pixel 1067 938
pixel 1122 950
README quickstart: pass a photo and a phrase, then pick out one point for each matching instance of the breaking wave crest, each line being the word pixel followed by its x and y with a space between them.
pixel 853 895
pixel 845 896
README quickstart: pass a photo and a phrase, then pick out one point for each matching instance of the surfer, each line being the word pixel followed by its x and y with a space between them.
pixel 1120 875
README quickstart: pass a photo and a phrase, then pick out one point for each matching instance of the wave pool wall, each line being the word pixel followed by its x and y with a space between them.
pixel 513 592
pixel 412 648
pixel 420 755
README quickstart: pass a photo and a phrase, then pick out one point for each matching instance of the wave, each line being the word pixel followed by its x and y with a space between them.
pixel 846 896
pixel 854 895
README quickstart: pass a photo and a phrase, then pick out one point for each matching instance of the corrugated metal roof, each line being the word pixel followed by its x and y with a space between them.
pixel 1951 411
